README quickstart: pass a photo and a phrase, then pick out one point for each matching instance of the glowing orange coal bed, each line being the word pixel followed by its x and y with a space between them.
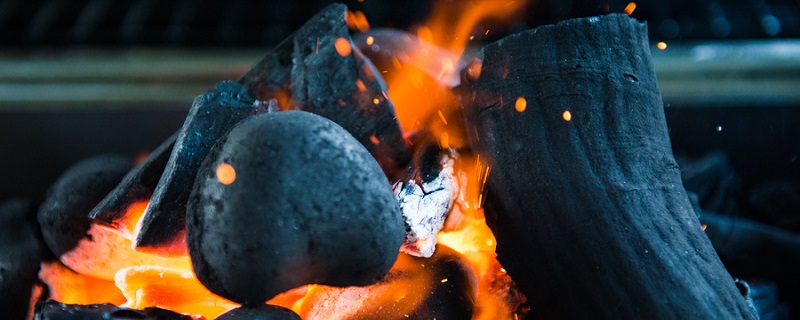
pixel 420 82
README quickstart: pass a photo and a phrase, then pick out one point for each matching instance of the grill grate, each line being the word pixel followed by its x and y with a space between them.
pixel 26 23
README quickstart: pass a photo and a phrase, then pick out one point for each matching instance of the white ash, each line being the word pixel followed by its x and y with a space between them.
pixel 425 207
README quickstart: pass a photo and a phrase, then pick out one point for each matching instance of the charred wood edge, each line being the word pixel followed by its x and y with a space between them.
pixel 590 215
pixel 212 115
pixel 137 185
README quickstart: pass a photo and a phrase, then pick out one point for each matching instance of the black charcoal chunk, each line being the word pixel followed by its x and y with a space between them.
pixel 340 84
pixel 308 205
pixel 137 185
pixel 21 252
pixel 211 116
pixel 260 312
pixel 63 216
pixel 54 310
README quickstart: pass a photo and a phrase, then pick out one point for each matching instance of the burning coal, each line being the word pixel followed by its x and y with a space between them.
pixel 293 186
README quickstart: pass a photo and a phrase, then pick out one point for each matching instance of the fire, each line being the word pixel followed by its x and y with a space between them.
pixel 419 82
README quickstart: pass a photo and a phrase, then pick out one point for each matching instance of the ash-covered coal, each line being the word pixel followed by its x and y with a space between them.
pixel 54 310
pixel 426 192
pixel 63 214
pixel 286 199
pixel 211 116
pixel 21 252
pixel 260 312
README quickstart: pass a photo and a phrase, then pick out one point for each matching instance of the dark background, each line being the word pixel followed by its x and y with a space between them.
pixel 761 137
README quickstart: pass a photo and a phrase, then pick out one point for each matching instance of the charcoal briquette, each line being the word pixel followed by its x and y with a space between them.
pixel 63 216
pixel 307 204
pixel 260 312
pixel 21 252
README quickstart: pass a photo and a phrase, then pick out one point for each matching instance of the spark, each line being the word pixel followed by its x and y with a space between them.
pixel 630 7
pixel 661 45
pixel 486 33
pixel 226 174
pixel 361 86
pixel 719 128
pixel 342 47
pixel 521 104
pixel 370 40
pixel 444 280
pixel 376 101
pixel 374 140
pixel 474 69
pixel 441 116
pixel 704 227
pixel 566 115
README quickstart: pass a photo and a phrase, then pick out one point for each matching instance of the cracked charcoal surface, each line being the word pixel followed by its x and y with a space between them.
pixel 63 215
pixel 261 312
pixel 307 69
pixel 137 185
pixel 211 116
pixel 21 252
pixel 308 205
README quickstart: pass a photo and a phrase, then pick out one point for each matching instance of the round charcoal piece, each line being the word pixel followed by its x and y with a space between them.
pixel 63 215
pixel 287 199
pixel 261 312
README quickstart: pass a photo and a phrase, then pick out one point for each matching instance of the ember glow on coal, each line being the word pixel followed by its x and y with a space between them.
pixel 448 251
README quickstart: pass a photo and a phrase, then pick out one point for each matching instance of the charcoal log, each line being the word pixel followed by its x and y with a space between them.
pixel 440 287
pixel 21 252
pixel 137 185
pixel 584 195
pixel 212 115
pixel 320 70
pixel 54 310
pixel 63 214
pixel 286 199
pixel 260 312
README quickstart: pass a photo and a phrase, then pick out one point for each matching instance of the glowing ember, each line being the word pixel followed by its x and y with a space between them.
pixel 169 288
pixel 370 40
pixel 661 45
pixel 566 115
pixel 474 69
pixel 376 101
pixel 704 227
pixel 356 20
pixel 343 47
pixel 630 7
pixel 226 174
pixel 520 104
